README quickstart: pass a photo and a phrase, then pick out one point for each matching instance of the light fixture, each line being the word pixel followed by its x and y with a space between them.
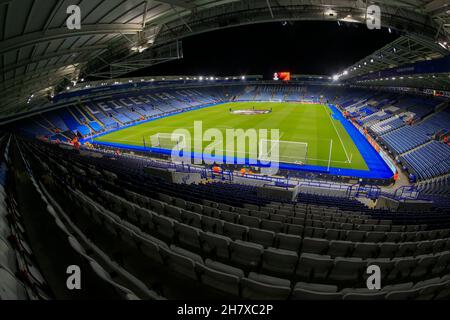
pixel 443 44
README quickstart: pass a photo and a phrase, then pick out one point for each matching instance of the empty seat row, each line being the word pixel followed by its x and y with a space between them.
pixel 334 267
pixel 171 216
pixel 345 231
pixel 436 288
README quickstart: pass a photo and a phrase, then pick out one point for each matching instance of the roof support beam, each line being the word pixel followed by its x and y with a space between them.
pixel 55 34
pixel 178 3
pixel 52 55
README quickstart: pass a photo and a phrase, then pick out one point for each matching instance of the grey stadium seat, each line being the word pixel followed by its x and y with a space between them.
pixel 150 247
pixel 294 229
pixel 365 250
pixel 364 294
pixel 229 216
pixel 312 291
pixel 193 219
pixel 443 263
pixel 172 212
pixel 220 276
pixel 375 236
pixel 403 294
pixel 146 218
pixel 424 264
pixel 156 206
pixel 355 235
pixel 235 231
pixel 347 269
pixel 314 266
pixel 181 261
pixel 188 236
pixel 429 288
pixel 288 241
pixel 7 256
pixel 404 266
pixel 424 247
pixel 388 250
pixel 394 237
pixel 164 227
pixel 275 226
pixel 211 212
pixel 313 245
pixel 262 237
pixel 279 261
pixel 332 234
pixel 213 225
pixel 10 287
pixel 262 287
pixel 386 266
pixel 340 248
pixel 215 245
pixel 246 254
pixel 249 221
pixel 406 249
pixel 180 203
pixel 194 207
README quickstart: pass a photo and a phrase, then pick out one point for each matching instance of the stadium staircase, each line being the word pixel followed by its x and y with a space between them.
pixel 113 117
pixel 84 121
pixel 136 113
pixel 87 120
pixel 51 132
pixel 93 116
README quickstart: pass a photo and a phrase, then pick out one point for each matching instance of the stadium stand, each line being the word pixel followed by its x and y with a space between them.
pixel 237 244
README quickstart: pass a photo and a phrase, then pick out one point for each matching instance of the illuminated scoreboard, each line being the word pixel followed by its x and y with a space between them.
pixel 282 76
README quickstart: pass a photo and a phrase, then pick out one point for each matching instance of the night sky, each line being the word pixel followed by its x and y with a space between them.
pixel 321 48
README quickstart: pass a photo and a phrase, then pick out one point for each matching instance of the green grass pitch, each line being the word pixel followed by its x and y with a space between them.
pixel 307 123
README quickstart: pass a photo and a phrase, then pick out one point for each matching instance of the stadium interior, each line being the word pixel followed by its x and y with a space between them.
pixel 88 181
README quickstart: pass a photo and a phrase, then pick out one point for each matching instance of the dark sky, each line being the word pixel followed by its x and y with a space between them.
pixel 321 48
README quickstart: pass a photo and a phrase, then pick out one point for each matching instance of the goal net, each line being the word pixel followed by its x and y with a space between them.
pixel 288 151
pixel 169 141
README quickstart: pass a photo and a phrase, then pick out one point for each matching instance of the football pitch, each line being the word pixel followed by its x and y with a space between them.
pixel 308 133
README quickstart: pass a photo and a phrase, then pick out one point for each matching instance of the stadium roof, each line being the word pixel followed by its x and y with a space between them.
pixel 39 54
pixel 404 50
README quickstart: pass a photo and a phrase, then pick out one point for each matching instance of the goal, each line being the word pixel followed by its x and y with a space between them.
pixel 283 151
pixel 167 141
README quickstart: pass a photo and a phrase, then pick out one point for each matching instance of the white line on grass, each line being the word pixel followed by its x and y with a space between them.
pixel 339 136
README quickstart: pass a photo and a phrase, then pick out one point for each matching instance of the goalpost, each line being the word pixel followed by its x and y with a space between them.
pixel 291 152
pixel 288 151
pixel 166 140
